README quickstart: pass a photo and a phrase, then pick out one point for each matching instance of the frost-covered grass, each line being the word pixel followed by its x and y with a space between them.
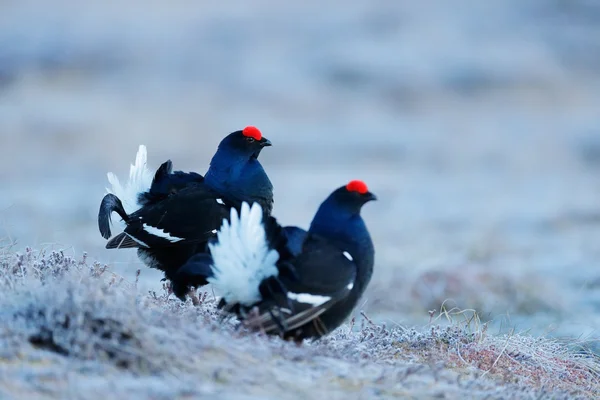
pixel 73 329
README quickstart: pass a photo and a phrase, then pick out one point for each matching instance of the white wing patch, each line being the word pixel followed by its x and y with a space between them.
pixel 140 179
pixel 348 256
pixel 220 201
pixel 350 286
pixel 241 257
pixel 314 300
pixel 161 233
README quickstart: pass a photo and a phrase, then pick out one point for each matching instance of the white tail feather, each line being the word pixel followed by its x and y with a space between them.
pixel 241 257
pixel 140 179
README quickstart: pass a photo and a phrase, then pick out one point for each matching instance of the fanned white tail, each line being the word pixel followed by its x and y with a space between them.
pixel 140 179
pixel 241 257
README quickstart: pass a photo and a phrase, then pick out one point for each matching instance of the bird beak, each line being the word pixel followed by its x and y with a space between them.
pixel 370 197
pixel 264 142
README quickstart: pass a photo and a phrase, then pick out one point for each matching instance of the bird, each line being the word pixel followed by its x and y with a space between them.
pixel 173 225
pixel 298 296
pixel 141 189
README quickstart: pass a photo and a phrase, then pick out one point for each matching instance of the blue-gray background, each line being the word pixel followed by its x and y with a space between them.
pixel 476 123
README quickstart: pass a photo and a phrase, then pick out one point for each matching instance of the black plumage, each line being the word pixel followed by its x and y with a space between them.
pixel 164 183
pixel 312 291
pixel 181 211
pixel 169 232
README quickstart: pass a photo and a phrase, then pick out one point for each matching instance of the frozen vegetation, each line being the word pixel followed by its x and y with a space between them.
pixel 71 328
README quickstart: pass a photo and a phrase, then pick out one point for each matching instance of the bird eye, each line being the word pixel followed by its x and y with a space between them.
pixel 250 140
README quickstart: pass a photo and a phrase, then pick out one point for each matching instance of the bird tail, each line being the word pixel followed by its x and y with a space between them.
pixel 242 257
pixel 140 179
pixel 109 203
pixel 159 186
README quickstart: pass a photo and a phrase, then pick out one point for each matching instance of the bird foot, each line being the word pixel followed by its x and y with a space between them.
pixel 195 300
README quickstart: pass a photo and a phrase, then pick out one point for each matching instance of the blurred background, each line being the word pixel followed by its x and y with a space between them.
pixel 475 122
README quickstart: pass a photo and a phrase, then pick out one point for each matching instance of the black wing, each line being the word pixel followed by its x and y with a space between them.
pixel 323 274
pixel 191 215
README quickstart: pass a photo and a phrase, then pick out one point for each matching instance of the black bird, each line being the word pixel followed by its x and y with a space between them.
pixel 174 225
pixel 302 295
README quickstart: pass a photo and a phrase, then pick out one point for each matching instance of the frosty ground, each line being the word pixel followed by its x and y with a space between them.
pixel 73 329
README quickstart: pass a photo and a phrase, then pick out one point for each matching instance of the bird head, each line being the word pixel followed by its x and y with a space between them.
pixel 234 170
pixel 341 208
pixel 247 143
pixel 351 197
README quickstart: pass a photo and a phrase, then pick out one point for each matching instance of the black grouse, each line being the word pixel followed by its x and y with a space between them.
pixel 169 229
pixel 305 295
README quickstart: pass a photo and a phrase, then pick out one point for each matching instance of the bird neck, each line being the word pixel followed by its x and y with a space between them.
pixel 350 233
pixel 238 177
pixel 349 230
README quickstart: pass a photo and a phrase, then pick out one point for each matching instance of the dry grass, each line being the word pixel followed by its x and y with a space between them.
pixel 72 328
